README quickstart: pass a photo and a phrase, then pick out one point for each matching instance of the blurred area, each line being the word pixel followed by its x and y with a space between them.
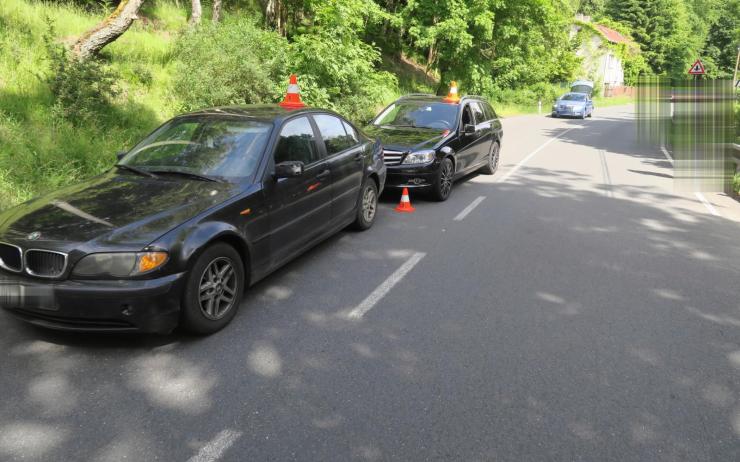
pixel 695 122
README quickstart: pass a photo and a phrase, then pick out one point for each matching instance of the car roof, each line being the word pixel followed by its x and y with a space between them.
pixel 271 113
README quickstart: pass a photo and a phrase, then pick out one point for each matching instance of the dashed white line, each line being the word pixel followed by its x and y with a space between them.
pixel 461 216
pixel 707 204
pixel 516 168
pixel 215 448
pixel 666 154
pixel 605 173
pixel 366 305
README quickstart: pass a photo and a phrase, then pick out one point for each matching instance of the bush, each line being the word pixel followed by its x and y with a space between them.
pixel 81 89
pixel 339 72
pixel 234 62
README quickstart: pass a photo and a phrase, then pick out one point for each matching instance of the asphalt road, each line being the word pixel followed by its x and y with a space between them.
pixel 582 310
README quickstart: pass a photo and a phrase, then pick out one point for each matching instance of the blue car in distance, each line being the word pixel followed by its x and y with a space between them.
pixel 573 105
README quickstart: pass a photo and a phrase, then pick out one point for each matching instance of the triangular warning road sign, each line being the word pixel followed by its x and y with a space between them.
pixel 697 68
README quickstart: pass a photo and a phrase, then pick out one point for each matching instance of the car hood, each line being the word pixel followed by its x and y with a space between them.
pixel 406 139
pixel 112 210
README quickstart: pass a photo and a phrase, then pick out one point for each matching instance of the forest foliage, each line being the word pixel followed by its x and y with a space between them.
pixel 62 119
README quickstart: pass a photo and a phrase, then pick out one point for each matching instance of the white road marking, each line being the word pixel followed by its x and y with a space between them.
pixel 515 168
pixel 666 154
pixel 707 204
pixel 366 305
pixel 461 216
pixel 605 173
pixel 215 448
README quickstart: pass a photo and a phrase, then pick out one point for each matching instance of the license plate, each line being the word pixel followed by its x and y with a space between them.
pixel 14 295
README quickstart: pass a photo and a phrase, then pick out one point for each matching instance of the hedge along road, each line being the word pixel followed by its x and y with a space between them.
pixel 581 310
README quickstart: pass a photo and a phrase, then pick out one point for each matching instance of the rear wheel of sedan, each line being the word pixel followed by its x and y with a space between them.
pixel 214 290
pixel 368 207
pixel 442 186
pixel 493 157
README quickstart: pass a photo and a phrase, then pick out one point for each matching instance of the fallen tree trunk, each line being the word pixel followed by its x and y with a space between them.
pixel 108 30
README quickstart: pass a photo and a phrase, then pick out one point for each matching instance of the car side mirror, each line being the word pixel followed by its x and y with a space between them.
pixel 289 169
pixel 121 154
pixel 469 129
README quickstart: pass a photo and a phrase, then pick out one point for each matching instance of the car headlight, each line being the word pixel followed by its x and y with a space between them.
pixel 420 157
pixel 119 265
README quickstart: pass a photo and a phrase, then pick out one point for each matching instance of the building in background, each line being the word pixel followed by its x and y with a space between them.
pixel 600 61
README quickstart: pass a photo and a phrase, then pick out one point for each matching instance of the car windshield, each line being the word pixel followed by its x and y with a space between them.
pixel 574 97
pixel 419 114
pixel 220 147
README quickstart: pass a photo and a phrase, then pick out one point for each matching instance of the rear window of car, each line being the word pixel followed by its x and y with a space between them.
pixel 334 134
pixel 574 97
pixel 490 113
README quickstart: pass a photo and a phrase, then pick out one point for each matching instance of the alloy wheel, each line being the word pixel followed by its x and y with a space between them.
pixel 369 204
pixel 218 288
pixel 445 178
pixel 493 158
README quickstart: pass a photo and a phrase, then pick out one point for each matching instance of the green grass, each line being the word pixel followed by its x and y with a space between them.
pixel 38 151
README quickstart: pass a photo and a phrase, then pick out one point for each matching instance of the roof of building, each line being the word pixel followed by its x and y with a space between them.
pixel 611 35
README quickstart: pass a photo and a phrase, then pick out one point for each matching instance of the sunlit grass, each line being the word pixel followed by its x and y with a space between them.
pixel 38 151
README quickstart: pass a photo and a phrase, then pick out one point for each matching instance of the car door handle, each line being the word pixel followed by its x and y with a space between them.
pixel 359 156
pixel 324 174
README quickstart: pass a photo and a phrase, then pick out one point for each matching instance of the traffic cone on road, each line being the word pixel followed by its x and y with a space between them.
pixel 405 204
pixel 452 96
pixel 293 96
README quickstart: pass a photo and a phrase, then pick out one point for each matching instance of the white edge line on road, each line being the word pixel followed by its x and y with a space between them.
pixel 515 168
pixel 707 204
pixel 461 216
pixel 215 448
pixel 366 305
pixel 666 154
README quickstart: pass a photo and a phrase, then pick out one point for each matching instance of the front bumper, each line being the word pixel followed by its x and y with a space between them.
pixel 151 306
pixel 568 112
pixel 407 176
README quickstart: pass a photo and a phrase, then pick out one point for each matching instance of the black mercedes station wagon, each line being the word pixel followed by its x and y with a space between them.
pixel 206 205
pixel 430 142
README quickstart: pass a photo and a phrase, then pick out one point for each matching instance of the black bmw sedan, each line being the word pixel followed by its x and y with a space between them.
pixel 430 141
pixel 206 205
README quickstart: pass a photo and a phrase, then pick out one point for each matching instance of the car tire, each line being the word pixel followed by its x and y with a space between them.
pixel 493 158
pixel 442 186
pixel 367 209
pixel 221 267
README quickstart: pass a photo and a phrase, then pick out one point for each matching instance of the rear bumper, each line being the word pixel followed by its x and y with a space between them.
pixel 95 306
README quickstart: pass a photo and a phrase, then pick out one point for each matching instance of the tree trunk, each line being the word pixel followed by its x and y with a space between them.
pixel 216 16
pixel 273 15
pixel 196 12
pixel 108 30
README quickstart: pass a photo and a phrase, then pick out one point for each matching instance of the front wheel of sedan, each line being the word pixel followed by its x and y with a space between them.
pixel 368 206
pixel 214 290
pixel 493 158
pixel 442 186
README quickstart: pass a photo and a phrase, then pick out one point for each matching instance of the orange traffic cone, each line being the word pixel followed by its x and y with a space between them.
pixel 405 204
pixel 452 96
pixel 293 96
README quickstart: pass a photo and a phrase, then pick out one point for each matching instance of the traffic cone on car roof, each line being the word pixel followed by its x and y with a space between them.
pixel 405 204
pixel 293 96
pixel 452 96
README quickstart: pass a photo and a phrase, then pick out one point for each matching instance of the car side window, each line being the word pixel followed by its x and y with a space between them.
pixel 478 113
pixel 467 116
pixel 351 132
pixel 297 142
pixel 490 113
pixel 332 131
